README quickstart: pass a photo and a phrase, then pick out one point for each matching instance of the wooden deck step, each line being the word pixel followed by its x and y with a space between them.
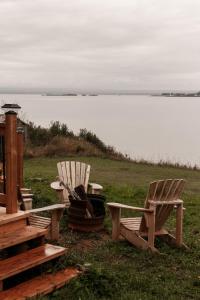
pixel 29 259
pixel 8 218
pixel 40 285
pixel 21 235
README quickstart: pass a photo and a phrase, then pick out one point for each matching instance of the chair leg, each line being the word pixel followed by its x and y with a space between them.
pixel 115 213
pixel 171 240
pixel 151 229
pixel 55 223
pixel 179 225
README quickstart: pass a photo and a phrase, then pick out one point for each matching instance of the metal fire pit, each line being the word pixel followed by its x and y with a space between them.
pixel 77 213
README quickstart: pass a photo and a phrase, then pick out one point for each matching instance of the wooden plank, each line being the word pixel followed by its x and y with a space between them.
pixel 40 285
pixel 12 226
pixel 115 204
pixel 133 238
pixel 27 195
pixel 63 194
pixel 83 169
pixel 55 223
pixel 78 173
pixel 131 223
pixel 25 190
pixel 32 216
pixel 11 163
pixel 67 175
pixel 42 224
pixel 87 175
pixel 7 218
pixel 115 213
pixel 48 208
pixel 19 236
pixel 179 225
pixel 29 259
pixel 73 173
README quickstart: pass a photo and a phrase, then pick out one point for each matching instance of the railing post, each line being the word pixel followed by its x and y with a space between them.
pixel 11 162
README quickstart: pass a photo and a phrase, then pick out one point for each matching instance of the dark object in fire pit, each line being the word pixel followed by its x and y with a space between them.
pixel 78 216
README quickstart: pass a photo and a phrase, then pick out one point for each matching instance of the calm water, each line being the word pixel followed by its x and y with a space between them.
pixel 146 127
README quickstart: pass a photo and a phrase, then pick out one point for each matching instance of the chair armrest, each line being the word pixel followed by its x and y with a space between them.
pixel 119 205
pixel 172 202
pixel 96 188
pixel 48 208
pixel 56 186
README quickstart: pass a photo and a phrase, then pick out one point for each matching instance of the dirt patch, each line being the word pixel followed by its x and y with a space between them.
pixel 84 241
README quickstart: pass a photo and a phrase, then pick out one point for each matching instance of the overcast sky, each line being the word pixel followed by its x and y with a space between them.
pixel 100 44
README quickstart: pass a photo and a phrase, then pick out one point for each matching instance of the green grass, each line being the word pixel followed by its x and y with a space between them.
pixel 118 270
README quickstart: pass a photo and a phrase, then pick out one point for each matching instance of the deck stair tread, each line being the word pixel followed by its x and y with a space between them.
pixel 7 218
pixel 21 235
pixel 40 285
pixel 29 259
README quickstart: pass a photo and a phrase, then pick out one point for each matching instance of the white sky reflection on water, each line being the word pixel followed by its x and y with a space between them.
pixel 142 126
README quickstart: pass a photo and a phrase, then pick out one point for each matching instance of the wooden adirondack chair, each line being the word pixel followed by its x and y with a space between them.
pixel 39 221
pixel 162 198
pixel 73 173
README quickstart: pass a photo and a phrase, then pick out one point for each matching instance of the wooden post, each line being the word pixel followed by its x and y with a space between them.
pixel 179 224
pixel 55 223
pixel 11 162
pixel 151 228
pixel 115 213
pixel 20 155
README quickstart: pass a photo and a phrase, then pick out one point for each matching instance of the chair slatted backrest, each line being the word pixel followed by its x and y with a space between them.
pixel 73 173
pixel 165 191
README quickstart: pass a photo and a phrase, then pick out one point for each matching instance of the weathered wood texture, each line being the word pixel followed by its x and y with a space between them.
pixel 163 196
pixel 23 244
pixel 73 173
pixel 52 223
pixel 40 285
pixel 11 162
pixel 29 259
pixel 20 235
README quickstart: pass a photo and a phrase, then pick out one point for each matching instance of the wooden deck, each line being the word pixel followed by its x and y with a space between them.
pixel 29 259
pixel 40 285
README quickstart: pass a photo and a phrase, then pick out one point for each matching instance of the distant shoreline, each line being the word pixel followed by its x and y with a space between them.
pixel 180 94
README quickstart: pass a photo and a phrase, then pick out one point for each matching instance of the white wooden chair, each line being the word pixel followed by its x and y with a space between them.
pixel 162 198
pixel 73 173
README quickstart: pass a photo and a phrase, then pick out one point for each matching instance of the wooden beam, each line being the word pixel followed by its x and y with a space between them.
pixel 179 225
pixel 11 162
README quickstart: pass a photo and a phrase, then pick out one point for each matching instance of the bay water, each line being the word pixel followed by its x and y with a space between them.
pixel 141 126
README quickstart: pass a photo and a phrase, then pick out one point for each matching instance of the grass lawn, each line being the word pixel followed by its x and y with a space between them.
pixel 117 270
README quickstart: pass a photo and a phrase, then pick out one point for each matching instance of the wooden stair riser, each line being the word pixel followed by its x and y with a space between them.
pixel 25 246
pixel 28 260
pixel 12 226
pixel 9 218
pixel 40 285
pixel 20 236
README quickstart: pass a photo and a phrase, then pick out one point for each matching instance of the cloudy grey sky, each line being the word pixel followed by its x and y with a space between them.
pixel 100 44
